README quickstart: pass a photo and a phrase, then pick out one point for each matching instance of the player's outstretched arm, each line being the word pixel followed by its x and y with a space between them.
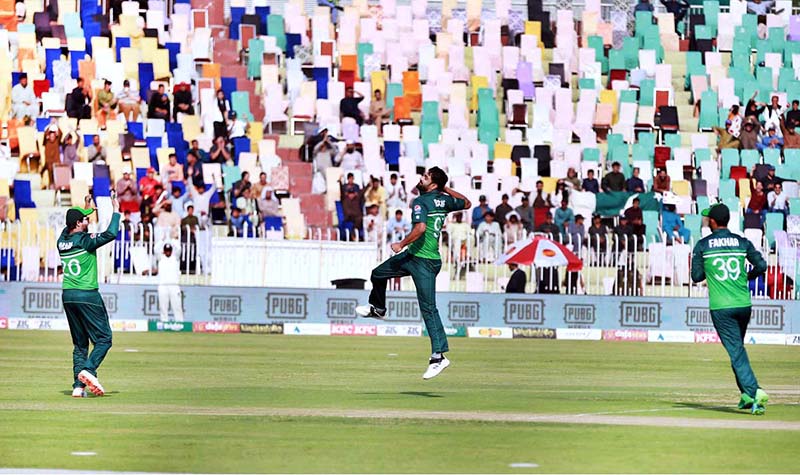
pixel 92 242
pixel 459 196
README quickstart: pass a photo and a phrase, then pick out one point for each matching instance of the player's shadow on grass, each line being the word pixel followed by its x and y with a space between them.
pixel 708 407
pixel 107 394
pixel 405 393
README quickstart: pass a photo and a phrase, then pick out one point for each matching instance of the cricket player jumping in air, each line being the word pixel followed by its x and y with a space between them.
pixel 86 312
pixel 720 260
pixel 421 261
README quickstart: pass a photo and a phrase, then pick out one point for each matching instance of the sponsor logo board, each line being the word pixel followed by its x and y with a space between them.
pixel 129 325
pixel 262 328
pixel 150 303
pixel 698 318
pixel 41 300
pixel 348 329
pixel 110 300
pixel 402 309
pixel 539 333
pixel 225 307
pixel 579 334
pixel 523 312
pixel 579 315
pixel 766 317
pixel 634 314
pixel 793 339
pixel 464 312
pixel 307 329
pixel 754 338
pixel 399 330
pixel 625 335
pixel 3 323
pixel 450 331
pixel 38 324
pixel 158 326
pixel 706 337
pixel 287 306
pixel 490 332
pixel 662 336
pixel 215 327
pixel 342 309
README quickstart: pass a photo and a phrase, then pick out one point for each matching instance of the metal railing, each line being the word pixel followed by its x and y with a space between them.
pixel 612 265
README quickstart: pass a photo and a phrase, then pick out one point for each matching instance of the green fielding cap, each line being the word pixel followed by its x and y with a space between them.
pixel 76 214
pixel 718 212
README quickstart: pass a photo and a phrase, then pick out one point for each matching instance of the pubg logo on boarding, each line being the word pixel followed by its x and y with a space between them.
pixel 579 315
pixel 287 306
pixel 640 314
pixel 225 307
pixel 150 303
pixel 342 309
pixel 524 312
pixel 41 301
pixel 464 312
pixel 402 309
pixel 767 317
pixel 698 318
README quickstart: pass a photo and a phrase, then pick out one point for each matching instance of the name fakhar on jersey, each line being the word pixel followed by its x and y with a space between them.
pixel 723 242
pixel 64 246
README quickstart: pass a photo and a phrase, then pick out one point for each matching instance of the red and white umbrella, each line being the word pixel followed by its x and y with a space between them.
pixel 541 252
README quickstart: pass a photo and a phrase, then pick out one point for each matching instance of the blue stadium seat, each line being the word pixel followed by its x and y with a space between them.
pixel 101 186
pixel 23 197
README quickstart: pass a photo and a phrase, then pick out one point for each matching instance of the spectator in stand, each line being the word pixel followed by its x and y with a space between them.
pixel 793 115
pixel 590 183
pixel 458 233
pixel 773 113
pixel 106 103
pixel 373 223
pixel 770 180
pixel 127 193
pixel 23 100
pixel 760 7
pixel 643 6
pixel 352 204
pixel 748 137
pixel 791 139
pixel 678 8
pixel 549 227
pixel 564 216
pixel 636 221
pixel 324 156
pixel 52 154
pixel 672 224
pixel 397 228
pixel 239 186
pixel 490 238
pixel 268 204
pixel 148 187
pixel 189 222
pixel 202 155
pixel 479 212
pixel 174 170
pixel 348 106
pixel 201 199
pixel 729 136
pixel 219 115
pixel 78 106
pixel 526 215
pixel 758 200
pixel 542 199
pixel 351 158
pixel 753 107
pixel 375 194
pixel 248 206
pixel 168 222
pixel 96 153
pixel 219 152
pixel 777 201
pixel 236 127
pixel 179 199
pixel 129 102
pixel 193 171
pixel 577 234
pixel 614 180
pixel 561 194
pixel 240 225
pixel 771 140
pixel 598 235
pixel 396 196
pixel 259 186
pixel 661 183
pixel 513 229
pixel 183 100
pixel 158 107
pixel 378 113
pixel 623 236
pixel 517 281
pixel 572 180
pixel 634 183
pixel 69 151
pixel 502 210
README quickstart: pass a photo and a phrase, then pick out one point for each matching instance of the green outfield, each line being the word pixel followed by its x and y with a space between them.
pixel 257 403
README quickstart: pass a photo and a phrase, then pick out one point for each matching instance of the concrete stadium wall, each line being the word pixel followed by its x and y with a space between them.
pixel 29 305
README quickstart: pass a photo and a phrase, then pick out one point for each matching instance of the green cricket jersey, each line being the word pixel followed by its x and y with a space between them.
pixel 78 256
pixel 720 259
pixel 431 209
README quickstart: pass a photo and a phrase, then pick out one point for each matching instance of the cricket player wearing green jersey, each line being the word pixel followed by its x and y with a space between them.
pixel 86 312
pixel 719 258
pixel 421 261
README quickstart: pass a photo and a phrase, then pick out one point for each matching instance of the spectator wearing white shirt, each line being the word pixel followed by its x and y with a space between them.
pixel 169 290
pixel 351 158
pixel 397 228
pixel 396 196
pixel 236 127
pixel 23 100
pixel 373 223
pixel 490 238
pixel 777 201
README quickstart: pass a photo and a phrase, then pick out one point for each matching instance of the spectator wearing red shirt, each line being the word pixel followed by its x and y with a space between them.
pixel 148 184
pixel 758 200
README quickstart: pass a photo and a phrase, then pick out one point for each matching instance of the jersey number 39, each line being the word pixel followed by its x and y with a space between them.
pixel 728 269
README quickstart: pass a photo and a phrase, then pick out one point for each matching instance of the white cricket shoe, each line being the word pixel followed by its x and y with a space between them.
pixel 368 311
pixel 78 392
pixel 91 382
pixel 436 366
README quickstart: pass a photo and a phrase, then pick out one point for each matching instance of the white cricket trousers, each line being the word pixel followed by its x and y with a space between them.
pixel 170 295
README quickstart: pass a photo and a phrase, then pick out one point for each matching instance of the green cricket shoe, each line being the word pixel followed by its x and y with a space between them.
pixel 746 402
pixel 760 404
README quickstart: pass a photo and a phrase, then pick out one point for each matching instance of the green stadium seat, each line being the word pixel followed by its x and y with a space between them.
pixel 794 206
pixel 694 223
pixel 652 230
pixel 774 222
